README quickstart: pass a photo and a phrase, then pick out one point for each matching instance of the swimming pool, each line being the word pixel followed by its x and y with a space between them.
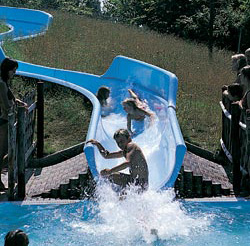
pixel 111 221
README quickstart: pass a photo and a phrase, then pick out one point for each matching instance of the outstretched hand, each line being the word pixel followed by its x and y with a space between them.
pixel 92 141
pixel 22 104
pixel 105 172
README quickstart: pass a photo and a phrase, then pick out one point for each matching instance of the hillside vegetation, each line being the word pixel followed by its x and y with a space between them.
pixel 85 44
pixel 3 28
pixel 224 23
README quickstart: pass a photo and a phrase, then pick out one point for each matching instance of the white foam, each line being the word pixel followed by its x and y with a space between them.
pixel 141 217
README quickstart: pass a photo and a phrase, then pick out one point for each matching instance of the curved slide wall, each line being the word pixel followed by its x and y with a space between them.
pixel 162 142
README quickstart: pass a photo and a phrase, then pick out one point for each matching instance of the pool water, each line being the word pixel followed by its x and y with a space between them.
pixel 146 219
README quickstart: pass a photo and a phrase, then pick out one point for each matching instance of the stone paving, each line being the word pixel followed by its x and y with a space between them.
pixel 43 180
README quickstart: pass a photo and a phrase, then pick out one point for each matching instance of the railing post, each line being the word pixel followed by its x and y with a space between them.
pixel 40 119
pixel 21 151
pixel 235 146
pixel 11 156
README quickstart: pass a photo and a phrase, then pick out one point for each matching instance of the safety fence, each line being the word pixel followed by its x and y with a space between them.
pixel 21 140
pixel 26 144
pixel 235 141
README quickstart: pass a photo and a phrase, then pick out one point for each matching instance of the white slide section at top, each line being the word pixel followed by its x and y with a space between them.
pixel 161 142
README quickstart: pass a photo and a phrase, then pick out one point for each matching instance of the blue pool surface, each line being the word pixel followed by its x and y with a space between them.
pixel 130 222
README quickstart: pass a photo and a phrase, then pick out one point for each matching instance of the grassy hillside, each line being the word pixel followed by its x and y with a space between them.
pixel 3 28
pixel 89 45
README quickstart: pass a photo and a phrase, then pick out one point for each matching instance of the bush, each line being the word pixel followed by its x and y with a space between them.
pixel 86 7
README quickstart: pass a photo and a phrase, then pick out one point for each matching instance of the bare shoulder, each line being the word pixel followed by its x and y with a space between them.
pixel 132 146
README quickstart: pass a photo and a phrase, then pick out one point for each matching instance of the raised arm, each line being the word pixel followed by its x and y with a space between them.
pixel 150 114
pixel 105 153
pixel 132 94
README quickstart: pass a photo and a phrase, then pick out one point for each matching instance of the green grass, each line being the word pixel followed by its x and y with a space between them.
pixel 4 28
pixel 66 121
pixel 66 115
pixel 85 44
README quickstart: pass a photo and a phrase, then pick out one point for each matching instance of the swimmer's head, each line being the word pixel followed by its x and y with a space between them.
pixel 122 138
pixel 129 105
pixel 103 94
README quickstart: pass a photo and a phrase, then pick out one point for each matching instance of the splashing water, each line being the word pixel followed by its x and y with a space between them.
pixel 138 219
pixel 147 219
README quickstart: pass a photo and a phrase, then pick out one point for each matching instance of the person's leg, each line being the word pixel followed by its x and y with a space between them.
pixel 141 184
pixel 120 179
pixel 3 148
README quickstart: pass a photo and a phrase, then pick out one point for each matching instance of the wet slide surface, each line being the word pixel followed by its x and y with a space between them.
pixel 161 142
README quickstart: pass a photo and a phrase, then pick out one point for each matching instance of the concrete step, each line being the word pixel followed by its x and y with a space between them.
pixel 76 188
pixel 189 185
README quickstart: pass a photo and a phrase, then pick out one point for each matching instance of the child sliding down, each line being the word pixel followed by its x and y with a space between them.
pixel 136 110
pixel 134 160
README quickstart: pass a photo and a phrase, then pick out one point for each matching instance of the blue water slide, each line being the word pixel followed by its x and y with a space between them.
pixel 24 23
pixel 161 142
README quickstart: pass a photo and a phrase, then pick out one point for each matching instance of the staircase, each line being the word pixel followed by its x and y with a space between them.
pixel 190 185
pixel 200 177
pixel 80 187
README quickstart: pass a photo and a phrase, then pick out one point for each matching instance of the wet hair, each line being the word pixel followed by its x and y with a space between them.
pixel 246 72
pixel 131 102
pixel 7 65
pixel 235 90
pixel 16 238
pixel 240 59
pixel 103 93
pixel 121 132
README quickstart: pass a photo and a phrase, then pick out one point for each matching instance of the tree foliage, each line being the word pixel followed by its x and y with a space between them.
pixel 227 20
pixel 190 19
pixel 87 7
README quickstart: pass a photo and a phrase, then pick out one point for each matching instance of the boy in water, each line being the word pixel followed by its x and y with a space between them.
pixel 135 161
pixel 136 110
pixel 17 237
